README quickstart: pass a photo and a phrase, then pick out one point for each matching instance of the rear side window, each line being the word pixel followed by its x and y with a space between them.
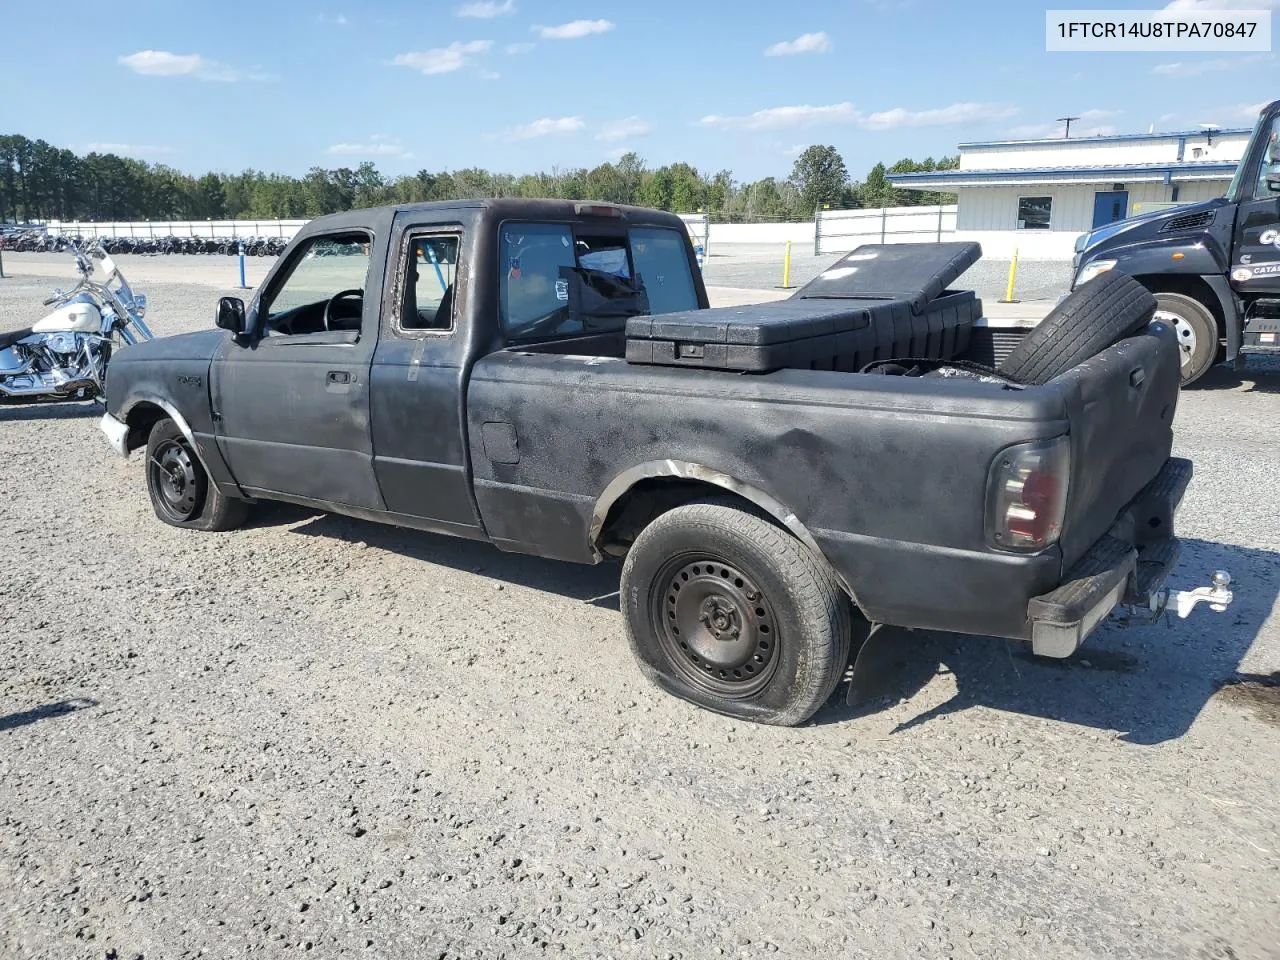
pixel 529 274
pixel 558 280
pixel 663 265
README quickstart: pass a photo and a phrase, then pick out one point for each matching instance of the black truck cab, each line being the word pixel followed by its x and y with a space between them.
pixel 1214 266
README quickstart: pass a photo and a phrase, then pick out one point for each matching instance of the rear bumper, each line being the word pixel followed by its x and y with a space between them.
pixel 1134 558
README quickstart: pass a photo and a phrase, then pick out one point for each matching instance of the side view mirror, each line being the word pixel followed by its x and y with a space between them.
pixel 230 315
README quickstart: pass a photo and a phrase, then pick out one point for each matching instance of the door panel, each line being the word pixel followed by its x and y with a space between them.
pixel 416 400
pixel 1255 250
pixel 1110 206
pixel 291 424
pixel 291 405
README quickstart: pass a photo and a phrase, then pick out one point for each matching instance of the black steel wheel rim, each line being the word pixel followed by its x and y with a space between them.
pixel 715 625
pixel 178 480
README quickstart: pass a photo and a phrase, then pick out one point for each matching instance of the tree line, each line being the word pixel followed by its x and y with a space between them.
pixel 40 182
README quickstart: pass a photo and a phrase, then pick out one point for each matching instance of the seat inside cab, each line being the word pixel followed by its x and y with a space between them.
pixel 429 283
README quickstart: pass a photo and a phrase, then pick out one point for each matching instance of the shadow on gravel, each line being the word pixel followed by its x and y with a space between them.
pixel 1148 682
pixel 61 708
pixel 596 585
pixel 13 411
pixel 1260 375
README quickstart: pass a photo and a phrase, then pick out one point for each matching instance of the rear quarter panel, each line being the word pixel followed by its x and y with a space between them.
pixel 888 474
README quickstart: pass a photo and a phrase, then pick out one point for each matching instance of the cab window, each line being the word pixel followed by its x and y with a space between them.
pixel 429 278
pixel 1269 169
pixel 323 290
pixel 558 280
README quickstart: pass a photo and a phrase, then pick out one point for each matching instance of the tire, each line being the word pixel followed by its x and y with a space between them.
pixel 729 612
pixel 181 492
pixel 1096 315
pixel 1197 331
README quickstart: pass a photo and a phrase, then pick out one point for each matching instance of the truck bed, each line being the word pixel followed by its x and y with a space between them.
pixel 889 474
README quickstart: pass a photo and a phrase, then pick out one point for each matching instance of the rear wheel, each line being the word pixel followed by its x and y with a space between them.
pixel 728 611
pixel 1197 332
pixel 181 493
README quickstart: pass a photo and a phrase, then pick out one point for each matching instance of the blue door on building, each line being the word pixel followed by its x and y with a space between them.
pixel 1110 206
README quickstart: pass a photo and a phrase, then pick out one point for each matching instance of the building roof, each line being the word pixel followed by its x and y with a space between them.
pixel 1111 138
pixel 1133 172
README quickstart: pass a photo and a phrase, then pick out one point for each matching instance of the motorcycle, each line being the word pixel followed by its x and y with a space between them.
pixel 64 356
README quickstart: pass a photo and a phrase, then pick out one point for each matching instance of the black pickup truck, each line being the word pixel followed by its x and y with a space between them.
pixel 780 479
pixel 1214 266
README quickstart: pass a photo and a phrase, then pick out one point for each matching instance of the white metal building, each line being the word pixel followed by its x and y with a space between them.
pixel 1039 195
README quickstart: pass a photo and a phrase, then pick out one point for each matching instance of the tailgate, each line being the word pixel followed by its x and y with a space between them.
pixel 1120 405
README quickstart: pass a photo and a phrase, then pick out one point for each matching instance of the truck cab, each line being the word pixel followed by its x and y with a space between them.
pixel 1214 267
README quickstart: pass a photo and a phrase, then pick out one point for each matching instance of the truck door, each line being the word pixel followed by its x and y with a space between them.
pixel 291 403
pixel 1109 206
pixel 417 381
pixel 1255 261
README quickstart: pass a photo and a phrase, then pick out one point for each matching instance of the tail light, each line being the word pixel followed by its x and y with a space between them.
pixel 1027 494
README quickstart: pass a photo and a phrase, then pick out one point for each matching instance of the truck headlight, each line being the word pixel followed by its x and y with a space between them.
pixel 1094 269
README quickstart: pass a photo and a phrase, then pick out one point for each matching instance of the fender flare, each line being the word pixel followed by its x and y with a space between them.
pixel 172 412
pixel 1231 319
pixel 622 484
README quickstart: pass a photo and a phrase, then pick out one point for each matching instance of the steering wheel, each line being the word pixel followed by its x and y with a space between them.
pixel 341 295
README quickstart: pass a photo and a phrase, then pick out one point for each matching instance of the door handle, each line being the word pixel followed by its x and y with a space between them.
pixel 338 376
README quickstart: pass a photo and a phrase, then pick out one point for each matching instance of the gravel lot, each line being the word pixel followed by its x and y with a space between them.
pixel 329 735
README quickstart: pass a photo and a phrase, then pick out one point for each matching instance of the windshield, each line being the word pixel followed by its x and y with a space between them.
pixel 559 280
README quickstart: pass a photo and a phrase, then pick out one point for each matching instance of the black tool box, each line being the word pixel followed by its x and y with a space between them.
pixel 878 303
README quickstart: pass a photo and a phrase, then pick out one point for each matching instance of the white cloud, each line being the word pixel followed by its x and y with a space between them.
pixel 805 43
pixel 575 29
pixel 162 63
pixel 1086 124
pixel 1197 67
pixel 938 117
pixel 1223 5
pixel 442 59
pixel 128 149
pixel 486 9
pixel 338 20
pixel 520 47
pixel 1248 111
pixel 775 118
pixel 795 149
pixel 624 129
pixel 546 127
pixel 379 145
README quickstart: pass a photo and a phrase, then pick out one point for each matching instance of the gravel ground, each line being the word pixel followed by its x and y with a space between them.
pixel 329 735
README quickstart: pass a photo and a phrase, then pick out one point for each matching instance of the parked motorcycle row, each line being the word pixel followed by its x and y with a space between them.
pixel 35 241
pixel 64 356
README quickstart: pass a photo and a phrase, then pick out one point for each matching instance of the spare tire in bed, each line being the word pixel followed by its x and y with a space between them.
pixel 1096 315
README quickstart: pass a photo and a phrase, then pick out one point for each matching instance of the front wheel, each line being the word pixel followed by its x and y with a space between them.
pixel 1196 329
pixel 728 611
pixel 181 493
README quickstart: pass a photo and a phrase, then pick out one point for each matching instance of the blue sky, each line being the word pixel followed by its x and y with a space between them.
pixel 522 85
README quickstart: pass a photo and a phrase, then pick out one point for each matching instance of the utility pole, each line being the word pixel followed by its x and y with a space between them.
pixel 1068 120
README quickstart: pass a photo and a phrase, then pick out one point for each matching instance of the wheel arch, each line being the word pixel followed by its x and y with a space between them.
pixel 1189 285
pixel 638 495
pixel 143 412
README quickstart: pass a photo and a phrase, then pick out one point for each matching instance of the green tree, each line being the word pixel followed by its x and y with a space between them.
pixel 819 176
